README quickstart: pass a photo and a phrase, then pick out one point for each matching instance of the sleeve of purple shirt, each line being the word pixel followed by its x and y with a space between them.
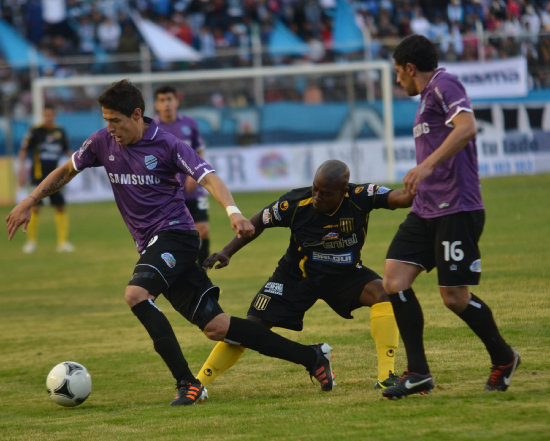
pixel 453 98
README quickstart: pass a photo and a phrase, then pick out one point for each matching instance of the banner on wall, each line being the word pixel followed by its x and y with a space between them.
pixel 507 78
pixel 283 167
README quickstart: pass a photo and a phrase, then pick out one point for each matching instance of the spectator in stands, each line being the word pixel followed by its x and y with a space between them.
pixel 108 34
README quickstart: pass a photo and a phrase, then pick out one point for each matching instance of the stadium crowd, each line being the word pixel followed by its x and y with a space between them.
pixel 102 35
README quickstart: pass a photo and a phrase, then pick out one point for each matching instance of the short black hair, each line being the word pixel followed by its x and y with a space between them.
pixel 418 50
pixel 122 97
pixel 165 89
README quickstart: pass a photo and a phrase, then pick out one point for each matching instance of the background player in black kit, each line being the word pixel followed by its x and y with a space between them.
pixel 328 222
pixel 45 144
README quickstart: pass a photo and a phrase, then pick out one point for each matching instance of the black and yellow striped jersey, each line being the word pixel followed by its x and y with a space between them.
pixel 325 243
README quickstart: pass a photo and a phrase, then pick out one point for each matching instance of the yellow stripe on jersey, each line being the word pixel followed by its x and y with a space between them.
pixel 304 202
pixel 37 166
pixel 302 266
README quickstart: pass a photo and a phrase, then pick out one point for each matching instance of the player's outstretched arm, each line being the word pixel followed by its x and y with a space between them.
pixel 217 188
pixel 400 198
pixel 21 213
pixel 224 256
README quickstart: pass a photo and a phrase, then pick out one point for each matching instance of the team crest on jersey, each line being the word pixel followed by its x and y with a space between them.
pixel 186 130
pixel 151 162
pixel 359 189
pixel 346 224
pixel 169 259
pixel 283 205
pixel 111 158
pixel 475 267
pixel 261 302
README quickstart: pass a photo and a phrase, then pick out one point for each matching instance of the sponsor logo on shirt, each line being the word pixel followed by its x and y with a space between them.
pixel 189 170
pixel 370 189
pixel 381 190
pixel 151 162
pixel 168 259
pixel 332 240
pixel 440 96
pixel 131 179
pixel 475 267
pixel 421 129
pixel 266 216
pixel 330 236
pixel 84 146
pixel 273 288
pixel 338 258
pixel 275 209
pixel 359 189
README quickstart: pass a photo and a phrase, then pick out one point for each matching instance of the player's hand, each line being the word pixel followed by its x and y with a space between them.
pixel 414 176
pixel 241 225
pixel 220 257
pixel 20 215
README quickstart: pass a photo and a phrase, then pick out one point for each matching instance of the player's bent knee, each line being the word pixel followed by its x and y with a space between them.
pixel 216 329
pixel 136 294
pixel 391 286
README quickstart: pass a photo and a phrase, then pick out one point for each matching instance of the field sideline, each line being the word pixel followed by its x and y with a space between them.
pixel 70 307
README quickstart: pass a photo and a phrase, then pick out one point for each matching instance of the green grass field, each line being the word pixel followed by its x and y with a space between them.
pixel 70 307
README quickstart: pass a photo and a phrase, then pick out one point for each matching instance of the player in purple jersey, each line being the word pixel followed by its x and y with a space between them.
pixel 186 129
pixel 446 220
pixel 142 163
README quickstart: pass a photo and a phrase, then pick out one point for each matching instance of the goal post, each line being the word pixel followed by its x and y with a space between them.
pixel 257 76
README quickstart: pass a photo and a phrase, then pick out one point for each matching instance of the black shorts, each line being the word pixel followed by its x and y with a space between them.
pixel 198 208
pixel 168 266
pixel 448 242
pixel 285 298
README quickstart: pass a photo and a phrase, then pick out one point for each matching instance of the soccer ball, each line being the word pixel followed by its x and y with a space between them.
pixel 69 384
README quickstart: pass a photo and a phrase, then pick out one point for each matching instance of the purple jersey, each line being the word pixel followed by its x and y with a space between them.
pixel 144 178
pixel 186 129
pixel 454 184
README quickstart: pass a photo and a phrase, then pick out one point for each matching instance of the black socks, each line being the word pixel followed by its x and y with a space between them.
pixel 479 318
pixel 164 339
pixel 259 338
pixel 410 321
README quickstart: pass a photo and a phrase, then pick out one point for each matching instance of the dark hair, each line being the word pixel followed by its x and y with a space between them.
pixel 49 106
pixel 122 97
pixel 418 50
pixel 165 89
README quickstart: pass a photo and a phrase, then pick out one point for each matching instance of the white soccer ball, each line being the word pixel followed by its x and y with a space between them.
pixel 69 384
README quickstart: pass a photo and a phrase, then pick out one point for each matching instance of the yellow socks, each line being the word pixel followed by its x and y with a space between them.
pixel 62 227
pixel 32 227
pixel 222 357
pixel 385 334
